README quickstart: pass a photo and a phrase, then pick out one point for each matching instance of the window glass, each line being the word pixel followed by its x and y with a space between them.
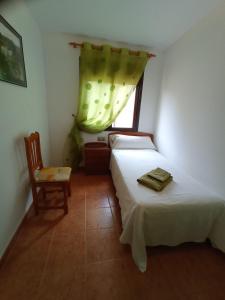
pixel 128 118
pixel 125 118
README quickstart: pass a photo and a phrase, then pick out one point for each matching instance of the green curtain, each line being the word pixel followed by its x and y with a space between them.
pixel 107 79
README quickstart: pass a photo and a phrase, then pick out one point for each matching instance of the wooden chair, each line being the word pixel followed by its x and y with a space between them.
pixel 45 179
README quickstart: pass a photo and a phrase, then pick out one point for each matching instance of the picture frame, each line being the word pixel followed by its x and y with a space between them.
pixel 12 65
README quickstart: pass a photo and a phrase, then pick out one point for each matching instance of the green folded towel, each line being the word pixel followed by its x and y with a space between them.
pixel 154 183
pixel 159 174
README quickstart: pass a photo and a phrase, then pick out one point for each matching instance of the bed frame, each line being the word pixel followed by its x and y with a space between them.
pixel 135 133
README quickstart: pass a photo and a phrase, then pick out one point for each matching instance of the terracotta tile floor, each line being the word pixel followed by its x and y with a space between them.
pixel 78 256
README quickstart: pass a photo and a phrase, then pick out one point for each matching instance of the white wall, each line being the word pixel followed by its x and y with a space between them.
pixel 191 124
pixel 62 67
pixel 22 110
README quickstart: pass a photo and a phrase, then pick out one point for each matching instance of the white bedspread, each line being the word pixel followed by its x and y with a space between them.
pixel 184 211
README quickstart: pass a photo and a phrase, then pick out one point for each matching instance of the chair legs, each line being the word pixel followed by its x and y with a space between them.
pixel 62 187
pixel 44 193
pixel 69 188
pixel 65 194
pixel 35 199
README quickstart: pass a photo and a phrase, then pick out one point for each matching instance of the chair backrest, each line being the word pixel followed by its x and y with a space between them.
pixel 33 151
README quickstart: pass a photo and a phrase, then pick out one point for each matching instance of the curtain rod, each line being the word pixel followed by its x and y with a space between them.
pixel 80 45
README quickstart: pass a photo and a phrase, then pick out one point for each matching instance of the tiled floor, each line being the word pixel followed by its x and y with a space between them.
pixel 78 256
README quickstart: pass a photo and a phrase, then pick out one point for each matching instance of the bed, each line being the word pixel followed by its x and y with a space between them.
pixel 185 211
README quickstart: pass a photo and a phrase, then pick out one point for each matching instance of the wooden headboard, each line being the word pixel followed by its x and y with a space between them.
pixel 132 133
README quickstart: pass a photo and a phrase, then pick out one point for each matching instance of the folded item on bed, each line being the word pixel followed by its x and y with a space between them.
pixel 153 183
pixel 159 174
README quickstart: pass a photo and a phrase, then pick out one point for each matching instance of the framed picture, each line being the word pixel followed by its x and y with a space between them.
pixel 12 67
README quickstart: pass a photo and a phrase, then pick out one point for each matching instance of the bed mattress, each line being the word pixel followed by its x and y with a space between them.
pixel 185 211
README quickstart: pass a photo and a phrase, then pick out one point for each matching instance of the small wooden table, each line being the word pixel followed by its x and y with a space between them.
pixel 96 158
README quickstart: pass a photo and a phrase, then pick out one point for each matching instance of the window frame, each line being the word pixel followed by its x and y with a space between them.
pixel 137 108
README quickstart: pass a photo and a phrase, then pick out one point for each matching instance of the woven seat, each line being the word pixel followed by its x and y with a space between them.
pixel 52 174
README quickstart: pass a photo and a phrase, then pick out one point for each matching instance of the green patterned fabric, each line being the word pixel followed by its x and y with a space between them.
pixel 107 79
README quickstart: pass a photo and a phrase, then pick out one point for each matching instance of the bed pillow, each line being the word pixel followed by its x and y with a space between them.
pixel 119 141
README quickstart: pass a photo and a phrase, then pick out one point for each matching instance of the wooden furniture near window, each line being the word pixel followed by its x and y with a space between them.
pixel 45 180
pixel 96 158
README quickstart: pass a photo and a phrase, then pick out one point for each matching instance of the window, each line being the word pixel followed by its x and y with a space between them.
pixel 128 119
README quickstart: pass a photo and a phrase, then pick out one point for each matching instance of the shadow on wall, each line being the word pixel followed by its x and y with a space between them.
pixel 19 197
pixel 66 155
pixel 21 171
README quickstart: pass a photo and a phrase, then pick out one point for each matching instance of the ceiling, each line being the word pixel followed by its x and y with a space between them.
pixel 151 23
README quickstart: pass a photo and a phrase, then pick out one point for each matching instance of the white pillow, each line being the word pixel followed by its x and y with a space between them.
pixel 119 141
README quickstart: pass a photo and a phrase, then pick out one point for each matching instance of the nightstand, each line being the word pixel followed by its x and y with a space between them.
pixel 96 158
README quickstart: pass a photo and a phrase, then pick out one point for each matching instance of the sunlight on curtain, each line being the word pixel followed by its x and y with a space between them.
pixel 101 106
pixel 107 80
